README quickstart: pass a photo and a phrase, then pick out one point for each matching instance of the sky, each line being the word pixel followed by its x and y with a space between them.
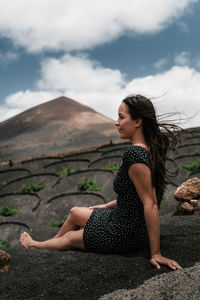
pixel 98 52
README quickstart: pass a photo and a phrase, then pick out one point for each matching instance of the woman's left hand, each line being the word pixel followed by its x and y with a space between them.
pixel 158 259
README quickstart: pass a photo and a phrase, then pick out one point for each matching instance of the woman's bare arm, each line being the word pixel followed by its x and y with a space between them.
pixel 108 205
pixel 140 175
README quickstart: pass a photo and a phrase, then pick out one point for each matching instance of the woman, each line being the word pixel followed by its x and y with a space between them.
pixel 132 221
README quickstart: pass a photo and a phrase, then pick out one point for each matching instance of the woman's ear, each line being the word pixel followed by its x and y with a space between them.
pixel 138 122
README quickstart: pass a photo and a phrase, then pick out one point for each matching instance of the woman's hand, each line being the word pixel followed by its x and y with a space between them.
pixel 108 205
pixel 158 259
pixel 100 206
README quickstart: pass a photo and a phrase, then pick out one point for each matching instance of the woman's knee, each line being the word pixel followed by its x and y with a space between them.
pixel 75 214
pixel 74 211
pixel 80 215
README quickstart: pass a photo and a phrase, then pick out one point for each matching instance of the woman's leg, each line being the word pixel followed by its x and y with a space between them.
pixel 70 240
pixel 77 218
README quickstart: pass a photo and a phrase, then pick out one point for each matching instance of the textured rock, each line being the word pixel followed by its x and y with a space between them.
pixel 194 202
pixel 188 190
pixel 185 208
pixel 4 261
pixel 78 275
pixel 198 204
pixel 178 285
pixel 186 193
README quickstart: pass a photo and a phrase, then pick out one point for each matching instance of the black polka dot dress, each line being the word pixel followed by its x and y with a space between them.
pixel 122 229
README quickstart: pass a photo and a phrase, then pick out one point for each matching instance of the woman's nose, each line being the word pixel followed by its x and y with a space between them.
pixel 116 123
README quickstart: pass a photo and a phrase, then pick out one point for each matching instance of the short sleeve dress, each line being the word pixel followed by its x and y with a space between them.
pixel 122 229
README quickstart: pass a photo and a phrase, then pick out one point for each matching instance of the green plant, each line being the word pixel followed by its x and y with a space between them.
pixel 112 166
pixel 163 201
pixel 196 152
pixel 41 166
pixel 67 171
pixel 33 187
pixel 3 183
pixel 119 153
pixel 59 223
pixel 9 210
pixel 192 166
pixel 4 244
pixel 88 185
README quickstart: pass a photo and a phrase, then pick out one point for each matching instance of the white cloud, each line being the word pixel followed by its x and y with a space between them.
pixel 177 89
pixel 161 63
pixel 182 59
pixel 78 73
pixel 8 112
pixel 77 24
pixel 83 79
pixel 88 82
pixel 23 100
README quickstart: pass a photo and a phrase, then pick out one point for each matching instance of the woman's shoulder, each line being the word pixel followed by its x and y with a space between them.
pixel 136 150
pixel 136 154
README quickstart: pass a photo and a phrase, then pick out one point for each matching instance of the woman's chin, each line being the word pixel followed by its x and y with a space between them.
pixel 121 136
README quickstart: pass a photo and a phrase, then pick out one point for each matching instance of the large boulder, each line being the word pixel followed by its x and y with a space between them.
pixel 188 193
pixel 188 190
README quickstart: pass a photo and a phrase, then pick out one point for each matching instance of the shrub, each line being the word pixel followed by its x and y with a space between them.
pixel 163 201
pixel 112 166
pixel 41 166
pixel 9 210
pixel 4 244
pixel 197 152
pixel 67 171
pixel 3 183
pixel 88 185
pixel 33 187
pixel 59 223
pixel 192 166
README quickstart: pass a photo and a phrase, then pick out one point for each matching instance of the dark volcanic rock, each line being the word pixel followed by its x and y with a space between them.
pixel 36 274
pixel 182 284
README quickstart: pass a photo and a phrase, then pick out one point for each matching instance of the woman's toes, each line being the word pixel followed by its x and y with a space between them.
pixel 22 236
pixel 26 240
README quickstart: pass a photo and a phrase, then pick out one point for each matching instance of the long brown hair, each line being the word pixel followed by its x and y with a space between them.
pixel 159 136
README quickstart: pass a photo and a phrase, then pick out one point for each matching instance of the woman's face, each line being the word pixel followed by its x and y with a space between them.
pixel 126 126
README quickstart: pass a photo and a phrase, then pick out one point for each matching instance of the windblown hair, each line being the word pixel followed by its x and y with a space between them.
pixel 160 137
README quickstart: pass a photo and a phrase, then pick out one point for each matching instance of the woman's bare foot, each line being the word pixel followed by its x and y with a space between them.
pixel 26 240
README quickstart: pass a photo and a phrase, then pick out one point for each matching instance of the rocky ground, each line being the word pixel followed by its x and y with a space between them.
pixel 35 274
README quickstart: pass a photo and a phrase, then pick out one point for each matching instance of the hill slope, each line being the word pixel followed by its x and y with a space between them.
pixel 58 125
